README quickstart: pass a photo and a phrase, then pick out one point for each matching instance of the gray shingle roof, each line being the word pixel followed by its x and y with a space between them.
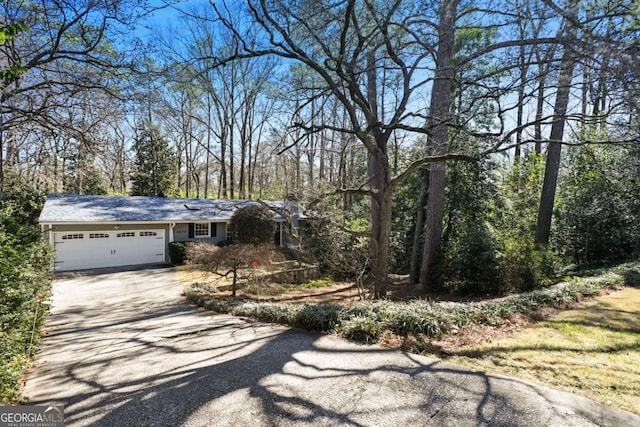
pixel 79 209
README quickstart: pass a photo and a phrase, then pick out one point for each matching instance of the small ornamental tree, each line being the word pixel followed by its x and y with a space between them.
pixel 253 224
pixel 232 260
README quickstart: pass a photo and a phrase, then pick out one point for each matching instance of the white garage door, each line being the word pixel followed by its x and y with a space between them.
pixel 95 249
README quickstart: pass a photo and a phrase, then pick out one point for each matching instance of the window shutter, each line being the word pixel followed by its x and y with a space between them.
pixel 191 230
pixel 214 229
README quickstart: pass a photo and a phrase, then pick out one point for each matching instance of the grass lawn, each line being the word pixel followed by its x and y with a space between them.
pixel 187 274
pixel 592 350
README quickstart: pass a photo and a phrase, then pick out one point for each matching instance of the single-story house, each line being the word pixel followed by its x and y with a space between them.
pixel 108 231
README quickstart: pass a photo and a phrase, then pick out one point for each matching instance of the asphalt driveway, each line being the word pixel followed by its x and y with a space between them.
pixel 125 349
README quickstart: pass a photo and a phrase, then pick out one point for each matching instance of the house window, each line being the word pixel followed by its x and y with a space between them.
pixel 127 234
pixel 98 236
pixel 148 233
pixel 73 236
pixel 201 229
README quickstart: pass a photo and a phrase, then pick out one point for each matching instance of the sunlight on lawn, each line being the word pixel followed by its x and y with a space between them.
pixel 187 274
pixel 593 350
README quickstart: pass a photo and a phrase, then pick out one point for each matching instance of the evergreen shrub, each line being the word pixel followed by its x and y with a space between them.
pixel 177 252
pixel 253 224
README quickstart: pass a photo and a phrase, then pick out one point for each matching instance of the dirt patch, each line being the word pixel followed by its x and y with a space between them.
pixel 342 293
pixel 464 337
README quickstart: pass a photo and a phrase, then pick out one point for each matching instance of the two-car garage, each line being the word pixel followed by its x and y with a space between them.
pixel 77 250
pixel 113 231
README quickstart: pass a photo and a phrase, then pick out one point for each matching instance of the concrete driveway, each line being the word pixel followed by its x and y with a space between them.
pixel 125 349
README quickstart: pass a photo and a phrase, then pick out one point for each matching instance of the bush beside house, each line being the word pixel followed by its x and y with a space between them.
pixel 178 252
pixel 253 224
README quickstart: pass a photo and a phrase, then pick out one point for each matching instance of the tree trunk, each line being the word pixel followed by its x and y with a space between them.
pixel 381 192
pixel 80 166
pixel 234 283
pixel 380 240
pixel 323 149
pixel 1 158
pixel 539 111
pixel 297 187
pixel 311 149
pixel 223 164
pixel 433 231
pixel 232 126
pixel 523 78
pixel 439 117
pixel 545 67
pixel 208 153
pixel 243 154
pixel 187 151
pixel 254 163
pixel 414 269
pixel 547 199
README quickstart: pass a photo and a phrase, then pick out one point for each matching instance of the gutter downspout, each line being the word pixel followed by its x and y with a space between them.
pixel 49 233
pixel 281 236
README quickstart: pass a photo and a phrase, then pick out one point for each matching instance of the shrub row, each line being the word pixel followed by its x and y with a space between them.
pixel 25 283
pixel 367 320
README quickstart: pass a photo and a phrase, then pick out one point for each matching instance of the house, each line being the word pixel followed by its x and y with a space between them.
pixel 108 231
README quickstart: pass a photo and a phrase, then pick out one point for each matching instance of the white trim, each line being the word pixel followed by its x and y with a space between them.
pixel 203 236
pixel 85 223
pixel 151 222
pixel 51 237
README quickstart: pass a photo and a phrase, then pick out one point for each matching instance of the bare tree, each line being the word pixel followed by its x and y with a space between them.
pixel 229 105
pixel 370 37
pixel 234 260
pixel 61 41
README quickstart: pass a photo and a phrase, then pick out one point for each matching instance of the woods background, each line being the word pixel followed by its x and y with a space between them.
pixel 449 133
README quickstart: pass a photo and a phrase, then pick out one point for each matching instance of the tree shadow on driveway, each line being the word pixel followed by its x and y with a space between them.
pixel 121 363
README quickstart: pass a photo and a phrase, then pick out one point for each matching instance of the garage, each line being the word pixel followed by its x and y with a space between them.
pixel 76 250
pixel 111 231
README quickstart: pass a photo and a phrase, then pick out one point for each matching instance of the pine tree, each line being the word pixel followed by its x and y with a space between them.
pixel 154 172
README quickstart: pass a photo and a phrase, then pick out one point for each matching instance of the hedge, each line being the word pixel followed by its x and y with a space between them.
pixel 367 320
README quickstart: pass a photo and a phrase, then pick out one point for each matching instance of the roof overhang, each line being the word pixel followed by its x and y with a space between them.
pixel 130 222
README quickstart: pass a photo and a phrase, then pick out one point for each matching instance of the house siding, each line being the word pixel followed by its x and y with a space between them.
pixel 82 213
pixel 180 231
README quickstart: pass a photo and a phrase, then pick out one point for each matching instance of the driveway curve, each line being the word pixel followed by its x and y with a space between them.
pixel 123 348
